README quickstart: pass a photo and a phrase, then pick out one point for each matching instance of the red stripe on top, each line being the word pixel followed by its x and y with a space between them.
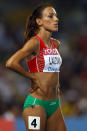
pixel 32 65
pixel 40 61
pixel 53 43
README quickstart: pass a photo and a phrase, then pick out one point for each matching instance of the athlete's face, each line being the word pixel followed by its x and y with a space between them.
pixel 49 19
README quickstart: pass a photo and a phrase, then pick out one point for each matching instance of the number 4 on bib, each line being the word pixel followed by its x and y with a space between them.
pixel 34 122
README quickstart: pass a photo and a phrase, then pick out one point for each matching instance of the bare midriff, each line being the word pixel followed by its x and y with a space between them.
pixel 48 86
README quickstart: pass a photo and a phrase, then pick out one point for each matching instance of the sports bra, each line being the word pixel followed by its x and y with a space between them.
pixel 47 60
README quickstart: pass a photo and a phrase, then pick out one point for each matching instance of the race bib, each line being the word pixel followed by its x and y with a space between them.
pixel 52 63
pixel 34 122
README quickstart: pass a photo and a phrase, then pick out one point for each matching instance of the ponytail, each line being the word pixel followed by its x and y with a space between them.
pixel 31 28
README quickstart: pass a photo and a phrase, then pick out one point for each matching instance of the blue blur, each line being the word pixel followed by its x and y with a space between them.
pixel 72 123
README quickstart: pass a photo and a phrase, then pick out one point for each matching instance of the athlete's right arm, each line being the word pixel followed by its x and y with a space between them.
pixel 13 62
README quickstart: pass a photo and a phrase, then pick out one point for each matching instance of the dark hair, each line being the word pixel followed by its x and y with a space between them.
pixel 31 25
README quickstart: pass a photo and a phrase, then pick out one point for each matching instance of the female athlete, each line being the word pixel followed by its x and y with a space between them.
pixel 41 111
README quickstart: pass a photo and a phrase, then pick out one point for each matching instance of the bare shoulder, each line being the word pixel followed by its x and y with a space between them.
pixel 56 42
pixel 33 43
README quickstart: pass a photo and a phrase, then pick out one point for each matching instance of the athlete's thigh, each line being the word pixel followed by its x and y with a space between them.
pixel 56 122
pixel 35 118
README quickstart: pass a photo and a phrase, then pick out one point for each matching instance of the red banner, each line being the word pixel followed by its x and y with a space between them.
pixel 6 125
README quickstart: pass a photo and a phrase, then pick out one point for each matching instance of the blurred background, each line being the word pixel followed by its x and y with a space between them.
pixel 72 35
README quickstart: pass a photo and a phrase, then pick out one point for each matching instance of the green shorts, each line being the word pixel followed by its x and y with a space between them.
pixel 50 106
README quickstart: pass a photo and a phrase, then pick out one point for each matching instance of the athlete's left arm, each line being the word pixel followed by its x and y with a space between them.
pixel 57 43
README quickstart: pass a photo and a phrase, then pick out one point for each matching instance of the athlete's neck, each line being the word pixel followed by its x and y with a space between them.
pixel 45 36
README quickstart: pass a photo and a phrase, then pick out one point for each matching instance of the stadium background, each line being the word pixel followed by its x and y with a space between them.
pixel 73 77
